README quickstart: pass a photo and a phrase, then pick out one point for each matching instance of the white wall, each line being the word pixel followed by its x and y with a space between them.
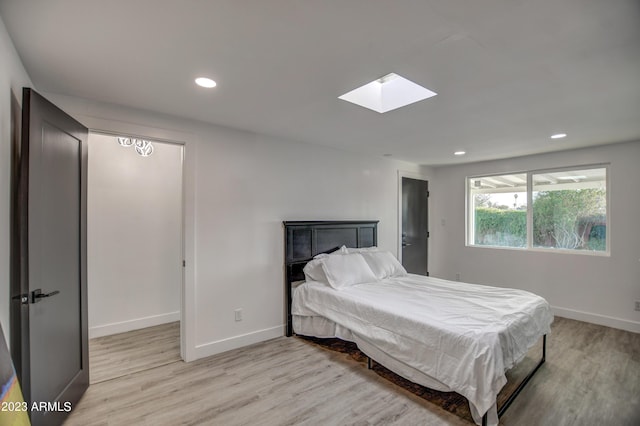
pixel 250 189
pixel 239 187
pixel 590 288
pixel 134 236
pixel 12 78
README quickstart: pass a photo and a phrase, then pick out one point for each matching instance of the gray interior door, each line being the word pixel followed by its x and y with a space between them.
pixel 415 218
pixel 51 294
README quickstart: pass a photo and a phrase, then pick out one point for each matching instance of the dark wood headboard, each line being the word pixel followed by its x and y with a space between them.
pixel 305 239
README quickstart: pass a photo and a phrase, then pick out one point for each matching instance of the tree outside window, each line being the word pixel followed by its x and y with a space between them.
pixel 567 207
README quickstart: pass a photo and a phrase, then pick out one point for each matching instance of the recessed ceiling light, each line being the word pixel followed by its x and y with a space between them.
pixel 205 82
pixel 559 136
pixel 387 93
pixel 460 153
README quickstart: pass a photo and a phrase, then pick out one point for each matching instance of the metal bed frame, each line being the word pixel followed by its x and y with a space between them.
pixel 516 392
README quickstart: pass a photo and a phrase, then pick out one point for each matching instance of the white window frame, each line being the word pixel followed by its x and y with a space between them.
pixel 469 224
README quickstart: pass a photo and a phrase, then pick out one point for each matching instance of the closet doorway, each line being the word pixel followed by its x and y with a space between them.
pixel 135 253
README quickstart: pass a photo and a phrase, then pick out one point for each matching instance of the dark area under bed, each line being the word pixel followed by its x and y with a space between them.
pixel 348 352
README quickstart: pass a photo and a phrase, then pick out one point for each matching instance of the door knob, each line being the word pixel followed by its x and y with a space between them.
pixel 37 295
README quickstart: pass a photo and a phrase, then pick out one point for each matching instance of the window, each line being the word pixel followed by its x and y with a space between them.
pixel 499 206
pixel 547 209
pixel 570 209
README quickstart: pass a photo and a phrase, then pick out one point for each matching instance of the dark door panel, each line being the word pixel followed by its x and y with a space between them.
pixel 415 225
pixel 51 284
pixel 54 320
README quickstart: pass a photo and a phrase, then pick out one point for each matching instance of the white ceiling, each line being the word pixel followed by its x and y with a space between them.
pixel 508 73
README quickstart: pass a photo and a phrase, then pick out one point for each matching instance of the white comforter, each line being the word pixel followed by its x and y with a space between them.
pixel 463 335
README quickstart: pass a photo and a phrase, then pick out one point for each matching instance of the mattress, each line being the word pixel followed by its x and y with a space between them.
pixel 458 336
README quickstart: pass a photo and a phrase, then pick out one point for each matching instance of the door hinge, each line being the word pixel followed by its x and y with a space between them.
pixel 184 263
pixel 428 193
pixel 428 234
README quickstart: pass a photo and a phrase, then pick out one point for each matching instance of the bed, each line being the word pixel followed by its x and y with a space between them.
pixel 445 335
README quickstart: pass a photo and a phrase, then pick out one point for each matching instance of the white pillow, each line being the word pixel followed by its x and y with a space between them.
pixel 360 249
pixel 347 270
pixel 384 264
pixel 313 269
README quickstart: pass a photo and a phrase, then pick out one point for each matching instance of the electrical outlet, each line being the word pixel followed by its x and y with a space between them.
pixel 457 276
pixel 637 305
pixel 238 313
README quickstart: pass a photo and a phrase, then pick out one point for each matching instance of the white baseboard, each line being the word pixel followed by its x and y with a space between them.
pixel 622 324
pixel 134 324
pixel 219 346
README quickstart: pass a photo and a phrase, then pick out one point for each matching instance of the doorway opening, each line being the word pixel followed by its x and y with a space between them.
pixel 135 254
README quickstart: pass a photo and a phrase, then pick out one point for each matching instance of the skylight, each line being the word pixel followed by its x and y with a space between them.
pixel 387 93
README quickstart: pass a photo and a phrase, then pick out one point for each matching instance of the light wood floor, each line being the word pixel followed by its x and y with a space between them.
pixel 126 353
pixel 592 377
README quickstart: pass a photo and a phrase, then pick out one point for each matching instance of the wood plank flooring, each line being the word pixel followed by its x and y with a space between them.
pixel 591 377
pixel 126 353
